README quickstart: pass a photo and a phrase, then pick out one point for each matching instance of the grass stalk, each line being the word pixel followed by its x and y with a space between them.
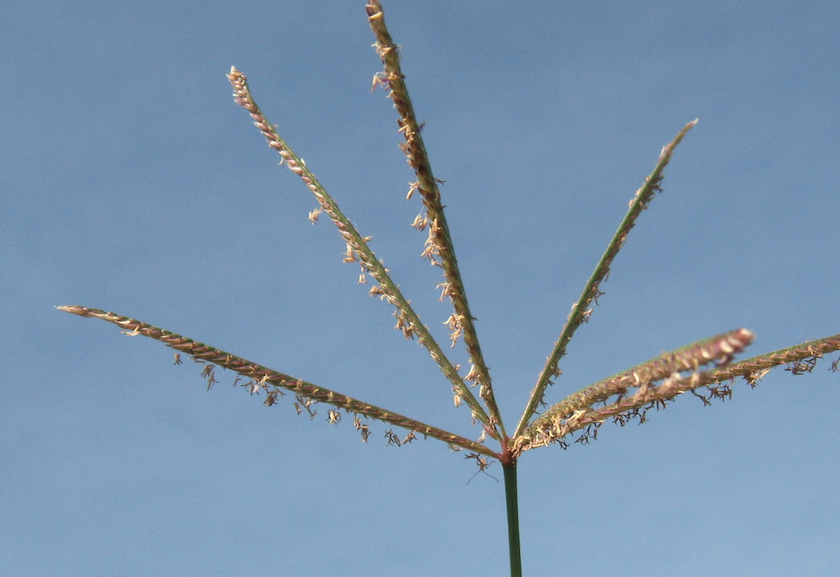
pixel 581 310
pixel 357 247
pixel 577 412
pixel 269 380
pixel 801 359
pixel 641 376
pixel 574 412
pixel 512 505
pixel 439 248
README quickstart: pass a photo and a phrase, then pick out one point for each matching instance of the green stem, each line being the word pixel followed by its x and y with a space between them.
pixel 512 501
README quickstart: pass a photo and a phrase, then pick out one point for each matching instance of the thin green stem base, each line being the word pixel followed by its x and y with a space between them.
pixel 512 502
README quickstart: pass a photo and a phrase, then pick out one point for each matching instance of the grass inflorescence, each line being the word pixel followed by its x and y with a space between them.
pixel 707 369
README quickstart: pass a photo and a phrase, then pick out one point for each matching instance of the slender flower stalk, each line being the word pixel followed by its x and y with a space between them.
pixel 566 416
pixel 579 411
pixel 581 310
pixel 358 249
pixel 439 247
pixel 263 378
pixel 801 359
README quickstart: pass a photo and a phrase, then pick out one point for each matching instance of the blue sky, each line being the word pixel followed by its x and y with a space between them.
pixel 131 182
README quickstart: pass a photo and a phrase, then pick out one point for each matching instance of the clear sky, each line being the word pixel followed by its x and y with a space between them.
pixel 131 182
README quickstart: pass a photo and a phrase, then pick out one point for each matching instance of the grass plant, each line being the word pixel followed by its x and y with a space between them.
pixel 706 369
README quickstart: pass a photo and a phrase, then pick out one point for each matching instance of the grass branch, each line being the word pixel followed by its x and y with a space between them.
pixel 548 428
pixel 800 359
pixel 263 378
pixel 439 247
pixel 575 411
pixel 581 311
pixel 358 249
